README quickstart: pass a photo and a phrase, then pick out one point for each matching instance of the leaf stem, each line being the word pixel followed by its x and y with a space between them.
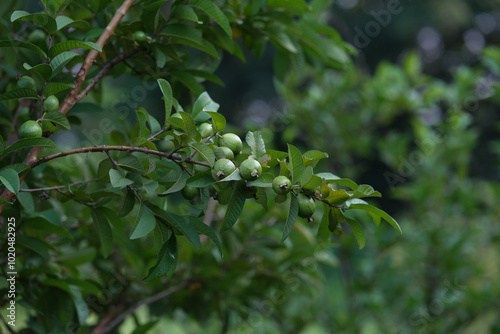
pixel 58 187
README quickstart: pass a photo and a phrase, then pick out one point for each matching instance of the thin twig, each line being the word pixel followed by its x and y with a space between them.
pixel 106 148
pixel 105 69
pixel 153 136
pixel 112 324
pixel 57 187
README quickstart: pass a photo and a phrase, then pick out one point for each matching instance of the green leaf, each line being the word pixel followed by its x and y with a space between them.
pixel 130 163
pixel 178 185
pixel 35 245
pixel 293 213
pixel 309 181
pixel 144 223
pixel 22 44
pixel 57 63
pixel 205 152
pixel 359 232
pixel 324 232
pixel 82 310
pixel 58 118
pixel 189 126
pixel 188 80
pixel 55 87
pixel 151 16
pixel 127 204
pixel 281 39
pixel 296 165
pixel 187 35
pixel 166 90
pixel 264 181
pixel 61 47
pixel 22 93
pixel 44 20
pixel 104 231
pixel 204 229
pixel 200 180
pixel 331 178
pixel 118 180
pixel 218 121
pixel 44 69
pixel 365 190
pixel 143 117
pixel 179 222
pixel 226 42
pixel 256 143
pixel 10 179
pixel 212 10
pixel 377 212
pixel 336 197
pixel 275 157
pixel 183 12
pixel 66 22
pixel 56 6
pixel 311 158
pixel 261 197
pixel 28 142
pixel 235 206
pixel 44 225
pixel 234 176
pixel 165 261
pixel 204 103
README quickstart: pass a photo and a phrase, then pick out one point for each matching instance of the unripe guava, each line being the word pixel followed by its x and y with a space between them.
pixel 30 129
pixel 232 141
pixel 306 206
pixel 26 82
pixel 281 185
pixel 51 104
pixel 206 130
pixel 140 36
pixel 250 169
pixel 228 154
pixel 189 192
pixel 223 168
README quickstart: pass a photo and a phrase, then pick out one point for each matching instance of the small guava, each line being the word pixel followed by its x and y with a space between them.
pixel 228 154
pixel 206 130
pixel 306 206
pixel 51 104
pixel 189 192
pixel 26 82
pixel 30 129
pixel 140 36
pixel 250 169
pixel 232 141
pixel 223 168
pixel 281 185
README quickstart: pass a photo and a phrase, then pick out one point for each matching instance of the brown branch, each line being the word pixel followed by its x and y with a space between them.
pixel 100 326
pixel 106 68
pixel 58 187
pixel 106 148
pixel 106 325
pixel 70 100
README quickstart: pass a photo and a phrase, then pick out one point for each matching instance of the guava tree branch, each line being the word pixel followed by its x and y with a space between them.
pixel 105 69
pixel 70 100
pixel 107 148
pixel 106 325
pixel 58 187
